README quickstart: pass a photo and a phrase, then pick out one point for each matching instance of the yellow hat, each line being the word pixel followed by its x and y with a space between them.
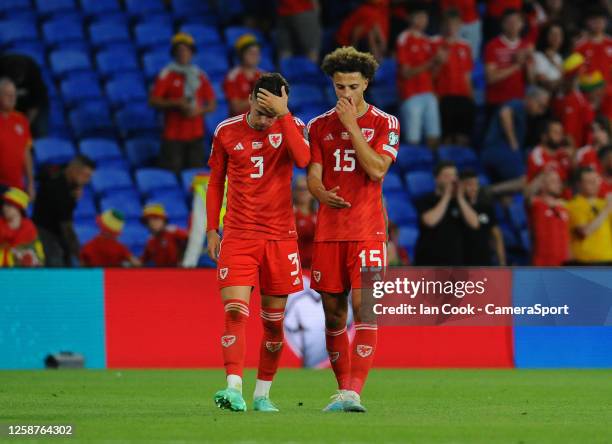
pixel 245 41
pixel 16 197
pixel 591 81
pixel 111 221
pixel 154 210
pixel 183 38
pixel 573 63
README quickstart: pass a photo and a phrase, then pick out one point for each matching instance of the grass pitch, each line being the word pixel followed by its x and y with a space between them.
pixel 405 406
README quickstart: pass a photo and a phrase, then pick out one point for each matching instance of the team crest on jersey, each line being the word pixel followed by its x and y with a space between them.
pixel 273 346
pixel 228 340
pixel 316 275
pixel 333 356
pixel 275 139
pixel 257 145
pixel 368 134
pixel 364 350
pixel 393 138
pixel 223 272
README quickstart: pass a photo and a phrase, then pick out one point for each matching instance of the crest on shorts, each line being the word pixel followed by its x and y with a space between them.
pixel 368 134
pixel 333 356
pixel 223 272
pixel 228 340
pixel 273 346
pixel 364 350
pixel 275 139
pixel 316 275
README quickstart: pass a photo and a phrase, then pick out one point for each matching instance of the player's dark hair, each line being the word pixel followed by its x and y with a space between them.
pixel 347 59
pixel 416 7
pixel 508 12
pixel 81 160
pixel 581 172
pixel 604 151
pixel 468 173
pixel 451 14
pixel 272 82
pixel 442 165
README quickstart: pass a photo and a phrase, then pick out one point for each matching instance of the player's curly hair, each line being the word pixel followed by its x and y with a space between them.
pixel 348 59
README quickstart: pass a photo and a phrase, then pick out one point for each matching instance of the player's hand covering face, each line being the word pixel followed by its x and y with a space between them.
pixel 275 105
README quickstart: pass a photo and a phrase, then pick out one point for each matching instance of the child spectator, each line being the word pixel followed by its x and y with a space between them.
pixel 239 82
pixel 166 245
pixel 19 244
pixel 105 250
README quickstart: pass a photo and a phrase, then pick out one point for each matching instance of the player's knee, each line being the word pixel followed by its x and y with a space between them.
pixel 272 327
pixel 335 320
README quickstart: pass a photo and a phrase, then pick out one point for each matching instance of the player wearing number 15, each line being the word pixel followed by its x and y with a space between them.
pixel 352 146
pixel 256 151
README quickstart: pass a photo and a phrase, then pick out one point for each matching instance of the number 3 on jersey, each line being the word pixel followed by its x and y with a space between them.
pixel 258 162
pixel 346 162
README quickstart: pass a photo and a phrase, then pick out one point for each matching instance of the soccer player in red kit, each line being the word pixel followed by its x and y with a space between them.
pixel 256 151
pixel 352 146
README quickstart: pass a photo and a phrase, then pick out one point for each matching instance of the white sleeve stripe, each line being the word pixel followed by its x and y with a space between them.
pixel 390 150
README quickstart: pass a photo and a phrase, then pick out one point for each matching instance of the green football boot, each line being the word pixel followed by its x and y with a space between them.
pixel 230 399
pixel 263 404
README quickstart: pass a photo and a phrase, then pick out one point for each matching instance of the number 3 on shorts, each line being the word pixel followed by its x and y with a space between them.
pixel 295 261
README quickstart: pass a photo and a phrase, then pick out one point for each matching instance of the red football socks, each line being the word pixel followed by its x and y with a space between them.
pixel 364 346
pixel 233 340
pixel 338 350
pixel 271 342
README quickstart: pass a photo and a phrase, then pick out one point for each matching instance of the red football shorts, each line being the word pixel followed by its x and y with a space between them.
pixel 336 266
pixel 274 264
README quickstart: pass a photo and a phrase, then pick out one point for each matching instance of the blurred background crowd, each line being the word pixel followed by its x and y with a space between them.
pixel 107 109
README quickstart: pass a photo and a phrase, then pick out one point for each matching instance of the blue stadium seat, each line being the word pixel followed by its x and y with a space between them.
pixel 400 210
pixel 154 62
pixel 100 149
pixel 85 209
pixel 392 184
pixel 415 158
pixel 301 95
pixel 299 68
pixel 86 231
pixel 174 203
pixel 105 33
pixel 233 33
pixel 384 95
pixel 17 32
pixel 142 151
pixel 116 164
pixel 92 119
pixel 309 112
pixel 80 89
pixel 463 157
pixel 106 180
pixel 149 35
pixel 67 61
pixel 116 61
pixel 216 117
pixel 137 120
pixel 61 30
pixel 134 236
pixel 57 121
pixel 212 64
pixel 94 8
pixel 517 213
pixel 125 90
pixel 151 179
pixel 127 203
pixel 8 6
pixel 202 34
pixel 419 183
pixel 50 150
pixel 34 50
pixel 408 236
pixel 387 71
pixel 188 175
pixel 525 237
pixel 50 7
pixel 143 8
pixel 187 8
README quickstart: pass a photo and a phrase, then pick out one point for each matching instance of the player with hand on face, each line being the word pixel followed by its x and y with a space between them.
pixel 353 146
pixel 256 151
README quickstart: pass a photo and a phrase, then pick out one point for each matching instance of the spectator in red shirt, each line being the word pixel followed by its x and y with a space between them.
pixel 105 250
pixel 298 28
pixel 507 61
pixel 184 94
pixel 601 136
pixel 396 254
pixel 494 16
pixel 471 26
pixel 454 84
pixel 596 46
pixel 167 243
pixel 367 28
pixel 548 221
pixel 417 60
pixel 239 82
pixel 554 152
pixel 304 207
pixel 19 243
pixel 15 142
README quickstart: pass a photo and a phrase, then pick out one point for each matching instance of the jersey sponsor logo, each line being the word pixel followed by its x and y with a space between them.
pixel 297 281
pixel 344 135
pixel 238 147
pixel 273 346
pixel 364 350
pixel 223 272
pixel 257 145
pixel 19 129
pixel 393 138
pixel 328 138
pixel 368 134
pixel 228 340
pixel 316 274
pixel 333 356
pixel 275 139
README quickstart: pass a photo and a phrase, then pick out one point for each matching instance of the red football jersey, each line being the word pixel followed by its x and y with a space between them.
pixel 259 167
pixel 331 147
pixel 598 55
pixel 104 251
pixel 238 85
pixel 576 115
pixel 587 157
pixel 550 231
pixel 501 52
pixel 306 224
pixel 15 141
pixel 414 49
pixel 453 77
pixel 539 158
pixel 165 249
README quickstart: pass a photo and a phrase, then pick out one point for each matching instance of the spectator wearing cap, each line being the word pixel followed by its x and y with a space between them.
pixel 184 94
pixel 367 28
pixel 239 82
pixel 58 193
pixel 590 221
pixel 596 45
pixel 508 63
pixel 105 250
pixel 553 152
pixel 486 241
pixel 600 137
pixel 19 243
pixel 453 83
pixel 548 220
pixel 417 59
pixel 571 106
pixel 471 26
pixel 166 245
pixel 443 217
pixel 298 28
pixel 15 142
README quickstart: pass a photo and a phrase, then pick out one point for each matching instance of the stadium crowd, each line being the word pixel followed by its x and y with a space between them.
pixel 505 109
